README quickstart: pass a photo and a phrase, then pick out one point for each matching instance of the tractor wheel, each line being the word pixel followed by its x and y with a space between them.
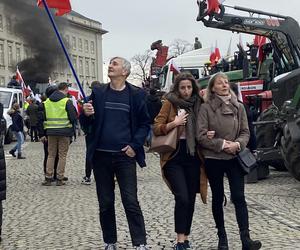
pixel 290 152
pixel 266 134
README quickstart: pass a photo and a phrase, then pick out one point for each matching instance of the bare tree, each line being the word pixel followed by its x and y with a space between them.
pixel 179 46
pixel 141 66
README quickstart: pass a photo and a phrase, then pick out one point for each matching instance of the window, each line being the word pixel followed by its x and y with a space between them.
pixel 80 44
pixel 8 24
pixel 10 54
pixel 73 42
pixel 74 61
pixel 26 52
pixel 92 47
pixel 18 53
pixel 5 96
pixel 2 63
pixel 2 83
pixel 87 67
pixel 93 68
pixel 20 100
pixel 67 41
pixel 1 23
pixel 80 65
pixel 86 46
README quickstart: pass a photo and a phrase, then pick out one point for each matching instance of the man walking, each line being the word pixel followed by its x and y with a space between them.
pixel 118 123
pixel 59 115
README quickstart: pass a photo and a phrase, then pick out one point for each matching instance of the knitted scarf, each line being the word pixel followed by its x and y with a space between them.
pixel 192 107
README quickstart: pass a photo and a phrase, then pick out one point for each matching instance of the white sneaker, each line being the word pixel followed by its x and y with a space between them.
pixel 86 181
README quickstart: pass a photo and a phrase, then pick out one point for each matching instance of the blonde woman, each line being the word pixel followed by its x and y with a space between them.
pixel 222 131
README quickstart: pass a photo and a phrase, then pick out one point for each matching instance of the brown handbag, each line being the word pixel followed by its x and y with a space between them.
pixel 164 143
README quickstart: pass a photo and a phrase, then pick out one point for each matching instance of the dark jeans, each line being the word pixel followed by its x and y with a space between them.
pixel 34 133
pixel 106 166
pixel 183 174
pixel 215 170
pixel 88 164
pixel 1 216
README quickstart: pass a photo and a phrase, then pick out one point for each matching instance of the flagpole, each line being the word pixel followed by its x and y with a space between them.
pixel 64 49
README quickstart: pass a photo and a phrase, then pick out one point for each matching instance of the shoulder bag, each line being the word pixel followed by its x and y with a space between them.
pixel 164 143
pixel 246 160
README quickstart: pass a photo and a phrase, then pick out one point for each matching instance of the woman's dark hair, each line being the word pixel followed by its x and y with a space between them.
pixel 181 77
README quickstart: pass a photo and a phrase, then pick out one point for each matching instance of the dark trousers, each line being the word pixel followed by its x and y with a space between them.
pixel 106 166
pixel 183 174
pixel 215 170
pixel 88 164
pixel 1 216
pixel 34 133
pixel 46 158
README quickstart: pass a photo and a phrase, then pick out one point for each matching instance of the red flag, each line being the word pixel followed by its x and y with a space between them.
pixel 217 53
pixel 174 68
pixel 62 6
pixel 213 6
pixel 19 78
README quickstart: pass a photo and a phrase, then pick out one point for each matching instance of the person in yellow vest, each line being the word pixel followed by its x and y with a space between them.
pixel 59 117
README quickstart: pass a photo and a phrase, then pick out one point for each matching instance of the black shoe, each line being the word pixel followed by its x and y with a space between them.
pixel 20 156
pixel 248 243
pixel 47 182
pixel 223 242
pixel 179 246
pixel 12 152
pixel 187 245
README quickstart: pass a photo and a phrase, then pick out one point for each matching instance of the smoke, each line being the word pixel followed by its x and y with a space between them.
pixel 33 26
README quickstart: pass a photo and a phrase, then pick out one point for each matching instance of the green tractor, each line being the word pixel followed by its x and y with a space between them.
pixel 278 125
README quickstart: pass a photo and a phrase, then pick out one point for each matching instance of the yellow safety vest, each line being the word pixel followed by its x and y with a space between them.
pixel 26 104
pixel 56 114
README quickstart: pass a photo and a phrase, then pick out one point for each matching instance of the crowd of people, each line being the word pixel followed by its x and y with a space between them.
pixel 117 120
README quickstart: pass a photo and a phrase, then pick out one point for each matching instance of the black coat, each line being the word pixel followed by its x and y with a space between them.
pixel 2 175
pixel 153 105
pixel 140 123
pixel 17 121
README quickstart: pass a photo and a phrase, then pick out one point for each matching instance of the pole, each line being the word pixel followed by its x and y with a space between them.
pixel 64 49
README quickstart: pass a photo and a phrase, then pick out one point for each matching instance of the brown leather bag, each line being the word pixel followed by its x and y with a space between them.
pixel 164 143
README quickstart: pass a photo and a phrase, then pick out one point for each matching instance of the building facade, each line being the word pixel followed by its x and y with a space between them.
pixel 84 44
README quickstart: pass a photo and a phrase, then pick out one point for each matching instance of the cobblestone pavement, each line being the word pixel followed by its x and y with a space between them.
pixel 63 218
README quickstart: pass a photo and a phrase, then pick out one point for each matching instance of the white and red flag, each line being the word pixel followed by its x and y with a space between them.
pixel 26 90
pixel 174 68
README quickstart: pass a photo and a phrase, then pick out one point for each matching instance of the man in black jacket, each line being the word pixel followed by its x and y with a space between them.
pixel 117 122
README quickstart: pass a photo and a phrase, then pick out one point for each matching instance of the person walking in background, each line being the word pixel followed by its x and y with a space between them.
pixel 181 168
pixel 117 119
pixel 86 180
pixel 32 112
pixel 153 105
pixel 18 129
pixel 59 117
pixel 222 131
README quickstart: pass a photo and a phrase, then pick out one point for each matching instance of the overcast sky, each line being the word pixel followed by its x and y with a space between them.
pixel 134 24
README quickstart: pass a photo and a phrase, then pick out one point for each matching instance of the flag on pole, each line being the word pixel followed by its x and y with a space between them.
pixel 229 47
pixel 212 56
pixel 217 53
pixel 62 6
pixel 26 91
pixel 174 68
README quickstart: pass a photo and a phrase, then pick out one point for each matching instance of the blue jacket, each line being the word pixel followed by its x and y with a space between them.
pixel 139 118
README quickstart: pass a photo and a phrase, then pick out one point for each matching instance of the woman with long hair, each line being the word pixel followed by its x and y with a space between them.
pixel 222 131
pixel 181 168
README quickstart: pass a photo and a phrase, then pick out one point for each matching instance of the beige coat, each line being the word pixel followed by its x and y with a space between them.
pixel 229 121
pixel 167 114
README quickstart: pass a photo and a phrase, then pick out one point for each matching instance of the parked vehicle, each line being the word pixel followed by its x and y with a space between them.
pixel 278 128
pixel 9 96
